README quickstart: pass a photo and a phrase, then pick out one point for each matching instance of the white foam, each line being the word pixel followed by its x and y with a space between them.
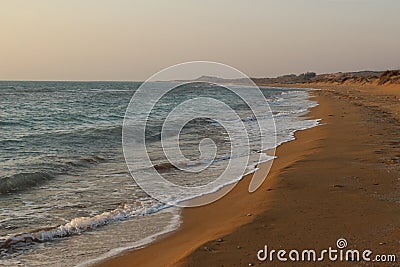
pixel 172 226
pixel 82 224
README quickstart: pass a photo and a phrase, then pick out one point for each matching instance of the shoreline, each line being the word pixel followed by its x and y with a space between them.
pixel 347 188
pixel 189 217
pixel 324 185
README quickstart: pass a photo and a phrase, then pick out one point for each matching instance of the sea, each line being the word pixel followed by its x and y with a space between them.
pixel 67 197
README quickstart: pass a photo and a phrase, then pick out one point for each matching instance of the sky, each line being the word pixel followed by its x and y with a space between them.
pixel 130 40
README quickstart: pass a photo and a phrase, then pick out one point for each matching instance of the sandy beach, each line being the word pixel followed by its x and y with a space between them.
pixel 338 180
pixel 210 134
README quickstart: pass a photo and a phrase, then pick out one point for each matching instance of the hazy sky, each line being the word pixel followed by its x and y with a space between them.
pixel 131 40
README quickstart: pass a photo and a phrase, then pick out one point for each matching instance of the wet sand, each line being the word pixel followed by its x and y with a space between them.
pixel 338 180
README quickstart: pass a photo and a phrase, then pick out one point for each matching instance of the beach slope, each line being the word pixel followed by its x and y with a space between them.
pixel 338 180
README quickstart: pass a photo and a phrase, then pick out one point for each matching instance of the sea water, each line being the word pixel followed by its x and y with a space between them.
pixel 66 196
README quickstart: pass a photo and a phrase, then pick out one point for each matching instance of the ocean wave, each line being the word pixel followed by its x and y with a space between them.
pixel 84 162
pixel 165 166
pixel 79 225
pixel 294 111
pixel 11 123
pixel 22 181
pixel 87 133
pixel 6 87
pixel 26 180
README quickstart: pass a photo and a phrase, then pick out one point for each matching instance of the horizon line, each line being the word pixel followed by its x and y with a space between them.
pixel 66 80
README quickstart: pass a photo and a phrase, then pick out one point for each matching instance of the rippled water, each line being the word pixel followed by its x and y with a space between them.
pixel 64 183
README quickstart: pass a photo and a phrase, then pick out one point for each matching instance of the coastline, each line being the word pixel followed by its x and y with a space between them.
pixel 200 134
pixel 240 207
pixel 324 185
pixel 347 188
